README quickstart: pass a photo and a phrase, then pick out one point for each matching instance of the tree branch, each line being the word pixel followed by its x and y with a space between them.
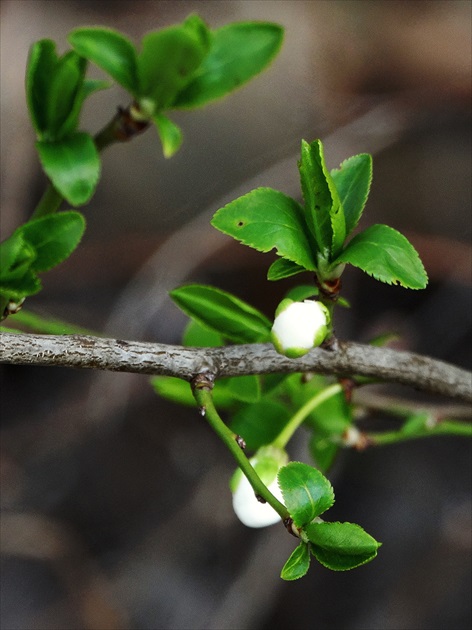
pixel 78 351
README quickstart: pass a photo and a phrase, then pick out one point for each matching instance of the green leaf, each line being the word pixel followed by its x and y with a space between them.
pixel 238 52
pixel 341 546
pixel 260 423
pixel 222 312
pixel 416 423
pixel 166 63
pixel 42 60
pixel 267 219
pixel 283 268
pixel 323 452
pixel 109 50
pixel 63 97
pixel 323 210
pixel 169 133
pixel 352 180
pixel 245 388
pixel 306 492
pixel 387 255
pixel 53 238
pixel 53 88
pixel 298 564
pixel 198 336
pixel 17 279
pixel 179 391
pixel 73 166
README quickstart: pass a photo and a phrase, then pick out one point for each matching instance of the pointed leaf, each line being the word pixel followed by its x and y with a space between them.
pixel 387 255
pixel 109 50
pixel 63 96
pixel 169 133
pixel 352 180
pixel 41 65
pixel 222 312
pixel 53 237
pixel 166 63
pixel 323 210
pixel 17 279
pixel 306 492
pixel 238 52
pixel 73 166
pixel 267 219
pixel 298 564
pixel 341 546
pixel 283 268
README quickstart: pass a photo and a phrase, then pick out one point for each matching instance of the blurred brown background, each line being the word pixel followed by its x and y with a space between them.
pixel 116 511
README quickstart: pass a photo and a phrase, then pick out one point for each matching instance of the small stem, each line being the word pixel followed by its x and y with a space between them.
pixel 284 436
pixel 49 203
pixel 205 402
pixel 445 427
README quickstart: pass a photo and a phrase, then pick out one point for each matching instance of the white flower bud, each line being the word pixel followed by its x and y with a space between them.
pixel 299 327
pixel 250 511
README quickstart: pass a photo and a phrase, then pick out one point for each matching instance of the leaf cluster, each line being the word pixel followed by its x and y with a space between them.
pixel 311 236
pixel 184 66
pixel 35 247
pixel 337 546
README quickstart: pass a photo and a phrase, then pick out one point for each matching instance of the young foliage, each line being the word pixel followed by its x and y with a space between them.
pixel 266 219
pixel 338 546
pixel 298 563
pixel 387 255
pixel 341 546
pixel 35 247
pixel 311 237
pixel 180 67
pixel 306 492
pixel 223 313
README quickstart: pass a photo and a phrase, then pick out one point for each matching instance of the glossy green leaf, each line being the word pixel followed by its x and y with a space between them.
pixel 73 166
pixel 197 336
pixel 245 388
pixel 17 279
pixel 283 268
pixel 341 546
pixel 16 256
pixel 166 63
pixel 387 255
pixel 53 238
pixel 109 50
pixel 42 60
pixel 222 312
pixel 238 52
pixel 169 133
pixel 179 391
pixel 298 564
pixel 260 423
pixel 53 88
pixel 323 210
pixel 306 492
pixel 267 219
pixel 63 97
pixel 352 180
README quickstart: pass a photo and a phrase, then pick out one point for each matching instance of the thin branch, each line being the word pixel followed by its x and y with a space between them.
pixel 346 359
